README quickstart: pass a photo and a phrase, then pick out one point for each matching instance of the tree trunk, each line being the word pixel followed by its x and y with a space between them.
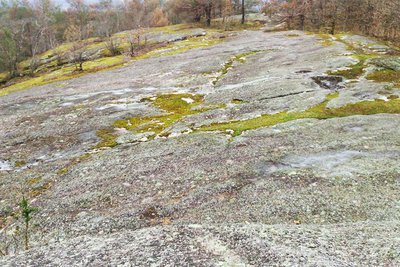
pixel 243 12
pixel 13 67
pixel 289 22
pixel 208 13
pixel 197 18
pixel 26 236
pixel 333 27
pixel 302 22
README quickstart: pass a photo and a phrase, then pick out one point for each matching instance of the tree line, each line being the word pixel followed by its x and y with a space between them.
pixel 377 18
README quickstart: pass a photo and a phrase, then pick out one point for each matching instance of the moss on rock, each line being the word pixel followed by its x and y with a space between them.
pixel 174 108
pixel 386 75
pixel 318 112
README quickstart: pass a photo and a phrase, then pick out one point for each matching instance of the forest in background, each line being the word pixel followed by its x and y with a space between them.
pixel 376 18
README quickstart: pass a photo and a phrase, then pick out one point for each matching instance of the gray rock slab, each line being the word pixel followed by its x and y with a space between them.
pixel 303 193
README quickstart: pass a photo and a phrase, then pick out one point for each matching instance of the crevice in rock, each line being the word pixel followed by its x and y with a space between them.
pixel 228 65
pixel 303 71
pixel 285 95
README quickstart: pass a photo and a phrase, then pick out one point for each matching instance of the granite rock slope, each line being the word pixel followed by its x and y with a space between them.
pixel 229 155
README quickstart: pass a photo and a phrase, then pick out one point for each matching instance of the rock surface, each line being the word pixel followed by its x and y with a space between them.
pixel 305 192
pixel 388 63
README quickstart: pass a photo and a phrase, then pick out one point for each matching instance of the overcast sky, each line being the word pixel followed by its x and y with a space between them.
pixel 63 3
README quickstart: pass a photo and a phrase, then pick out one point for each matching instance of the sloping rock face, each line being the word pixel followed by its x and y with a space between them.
pixel 290 186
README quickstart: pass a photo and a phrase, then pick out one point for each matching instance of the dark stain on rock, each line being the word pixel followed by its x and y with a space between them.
pixel 330 82
pixel 303 71
pixel 150 213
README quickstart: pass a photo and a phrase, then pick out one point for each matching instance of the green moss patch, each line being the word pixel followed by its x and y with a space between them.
pixel 353 72
pixel 20 163
pixel 235 25
pixel 181 47
pixel 386 75
pixel 62 171
pixel 357 70
pixel 177 106
pixel 237 101
pixel 108 138
pixel 3 76
pixel 325 39
pixel 33 181
pixel 65 73
pixel 172 28
pixel 174 107
pixel 318 112
pixel 39 190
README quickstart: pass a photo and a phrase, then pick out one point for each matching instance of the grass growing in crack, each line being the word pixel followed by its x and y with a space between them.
pixel 318 112
pixel 241 58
